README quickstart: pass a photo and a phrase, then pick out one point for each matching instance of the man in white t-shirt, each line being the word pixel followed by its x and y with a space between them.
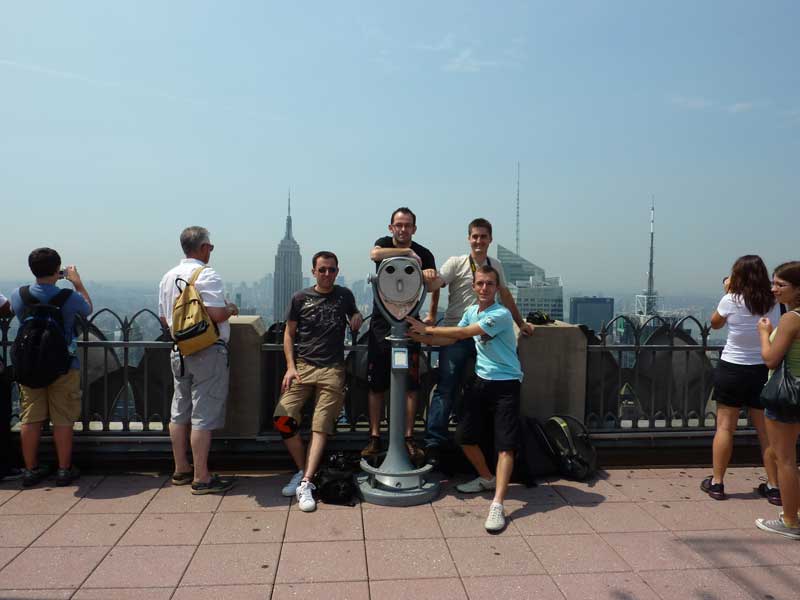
pixel 201 379
pixel 457 273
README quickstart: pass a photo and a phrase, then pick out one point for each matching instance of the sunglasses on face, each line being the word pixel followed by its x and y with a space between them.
pixel 210 246
pixel 325 270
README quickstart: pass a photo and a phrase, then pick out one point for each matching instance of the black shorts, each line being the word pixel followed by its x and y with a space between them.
pixel 491 403
pixel 379 364
pixel 739 385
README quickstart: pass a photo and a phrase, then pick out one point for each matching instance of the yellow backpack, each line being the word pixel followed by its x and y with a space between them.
pixel 192 328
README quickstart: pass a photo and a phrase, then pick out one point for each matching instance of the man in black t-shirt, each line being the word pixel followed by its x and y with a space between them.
pixel 403 225
pixel 316 325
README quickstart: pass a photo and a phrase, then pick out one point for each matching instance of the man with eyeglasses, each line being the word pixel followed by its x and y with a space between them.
pixel 313 343
pixel 403 226
pixel 201 379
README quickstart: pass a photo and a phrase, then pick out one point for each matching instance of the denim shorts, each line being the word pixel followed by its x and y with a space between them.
pixel 789 417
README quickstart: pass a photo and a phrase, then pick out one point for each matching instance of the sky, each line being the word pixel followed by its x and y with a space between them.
pixel 122 123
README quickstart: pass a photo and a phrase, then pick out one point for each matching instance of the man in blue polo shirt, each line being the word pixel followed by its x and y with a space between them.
pixel 60 401
pixel 494 397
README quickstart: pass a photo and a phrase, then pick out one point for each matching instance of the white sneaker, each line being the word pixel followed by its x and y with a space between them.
pixel 496 520
pixel 479 484
pixel 290 489
pixel 305 499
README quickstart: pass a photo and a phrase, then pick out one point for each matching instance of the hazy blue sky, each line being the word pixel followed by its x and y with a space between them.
pixel 121 123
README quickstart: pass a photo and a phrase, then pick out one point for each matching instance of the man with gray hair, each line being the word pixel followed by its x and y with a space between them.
pixel 201 379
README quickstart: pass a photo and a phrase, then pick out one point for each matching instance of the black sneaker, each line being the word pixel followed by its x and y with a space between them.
pixel 433 456
pixel 182 478
pixel 30 477
pixel 715 490
pixel 67 476
pixel 215 485
pixel 773 495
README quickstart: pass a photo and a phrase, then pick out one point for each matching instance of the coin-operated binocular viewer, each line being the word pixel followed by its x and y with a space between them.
pixel 399 291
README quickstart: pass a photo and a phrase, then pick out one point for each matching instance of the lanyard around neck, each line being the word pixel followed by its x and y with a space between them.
pixel 474 267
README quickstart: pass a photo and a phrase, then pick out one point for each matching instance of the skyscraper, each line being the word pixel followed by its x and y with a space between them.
pixel 288 270
pixel 531 288
pixel 592 311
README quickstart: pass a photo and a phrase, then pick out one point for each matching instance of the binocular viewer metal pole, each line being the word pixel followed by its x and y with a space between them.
pixel 399 290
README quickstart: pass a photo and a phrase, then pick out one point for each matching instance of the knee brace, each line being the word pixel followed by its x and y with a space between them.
pixel 286 426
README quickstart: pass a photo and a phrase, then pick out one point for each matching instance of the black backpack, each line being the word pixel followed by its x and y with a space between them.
pixel 335 482
pixel 537 457
pixel 39 352
pixel 577 458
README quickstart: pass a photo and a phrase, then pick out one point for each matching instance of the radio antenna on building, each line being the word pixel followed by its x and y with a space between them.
pixel 517 247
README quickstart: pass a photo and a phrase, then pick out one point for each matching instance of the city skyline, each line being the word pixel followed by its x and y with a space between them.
pixel 114 133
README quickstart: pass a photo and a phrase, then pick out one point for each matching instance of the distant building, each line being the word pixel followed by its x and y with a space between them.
pixel 531 288
pixel 288 270
pixel 594 312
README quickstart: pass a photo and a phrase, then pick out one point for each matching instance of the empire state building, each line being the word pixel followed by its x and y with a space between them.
pixel 288 270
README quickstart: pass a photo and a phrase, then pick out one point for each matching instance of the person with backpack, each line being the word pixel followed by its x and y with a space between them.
pixel 8 472
pixel 191 303
pixel 494 396
pixel 46 364
pixel 316 323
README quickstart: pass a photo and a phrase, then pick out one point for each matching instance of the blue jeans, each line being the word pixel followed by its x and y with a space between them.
pixel 451 366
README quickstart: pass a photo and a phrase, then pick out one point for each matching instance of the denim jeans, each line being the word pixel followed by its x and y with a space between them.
pixel 451 366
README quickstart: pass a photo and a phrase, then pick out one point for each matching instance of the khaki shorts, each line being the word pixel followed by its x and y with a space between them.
pixel 326 384
pixel 201 392
pixel 60 401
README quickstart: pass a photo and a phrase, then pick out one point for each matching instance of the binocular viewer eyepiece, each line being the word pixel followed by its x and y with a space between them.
pixel 399 287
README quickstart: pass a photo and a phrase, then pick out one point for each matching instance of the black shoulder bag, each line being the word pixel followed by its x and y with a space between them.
pixel 782 391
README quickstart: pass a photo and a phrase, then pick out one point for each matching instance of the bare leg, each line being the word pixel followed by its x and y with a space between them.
pixel 505 465
pixel 62 436
pixel 767 455
pixel 375 412
pixel 727 416
pixel 475 455
pixel 179 434
pixel 296 450
pixel 783 440
pixel 201 444
pixel 29 435
pixel 411 412
pixel 315 449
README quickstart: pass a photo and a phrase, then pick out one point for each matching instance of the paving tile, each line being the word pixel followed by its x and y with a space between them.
pixel 21 530
pixel 561 554
pixel 778 583
pixel 549 520
pixel 409 559
pixel 467 521
pixel 162 593
pixel 683 515
pixel 438 589
pixel 401 523
pixel 167 530
pixel 179 499
pixel 51 568
pixel 223 592
pixel 592 492
pixel 36 594
pixel 496 556
pixel 246 527
pixel 661 489
pixel 312 562
pixel 349 590
pixel 683 473
pixel 7 493
pixel 134 481
pixel 115 496
pixel 324 525
pixel 232 564
pixel 8 554
pixel 604 586
pixel 654 551
pixel 47 500
pixel 693 584
pixel 735 547
pixel 449 496
pixel 743 512
pixel 618 475
pixel 618 516
pixel 86 530
pixel 540 494
pixel 141 566
pixel 256 493
pixel 521 587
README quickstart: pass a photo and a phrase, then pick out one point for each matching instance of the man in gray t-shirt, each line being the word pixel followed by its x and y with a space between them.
pixel 457 274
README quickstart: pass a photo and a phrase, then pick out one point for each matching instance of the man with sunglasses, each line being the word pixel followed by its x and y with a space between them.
pixel 403 226
pixel 201 379
pixel 313 343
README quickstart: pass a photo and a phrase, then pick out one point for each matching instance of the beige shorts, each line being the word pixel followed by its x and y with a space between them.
pixel 326 384
pixel 60 401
